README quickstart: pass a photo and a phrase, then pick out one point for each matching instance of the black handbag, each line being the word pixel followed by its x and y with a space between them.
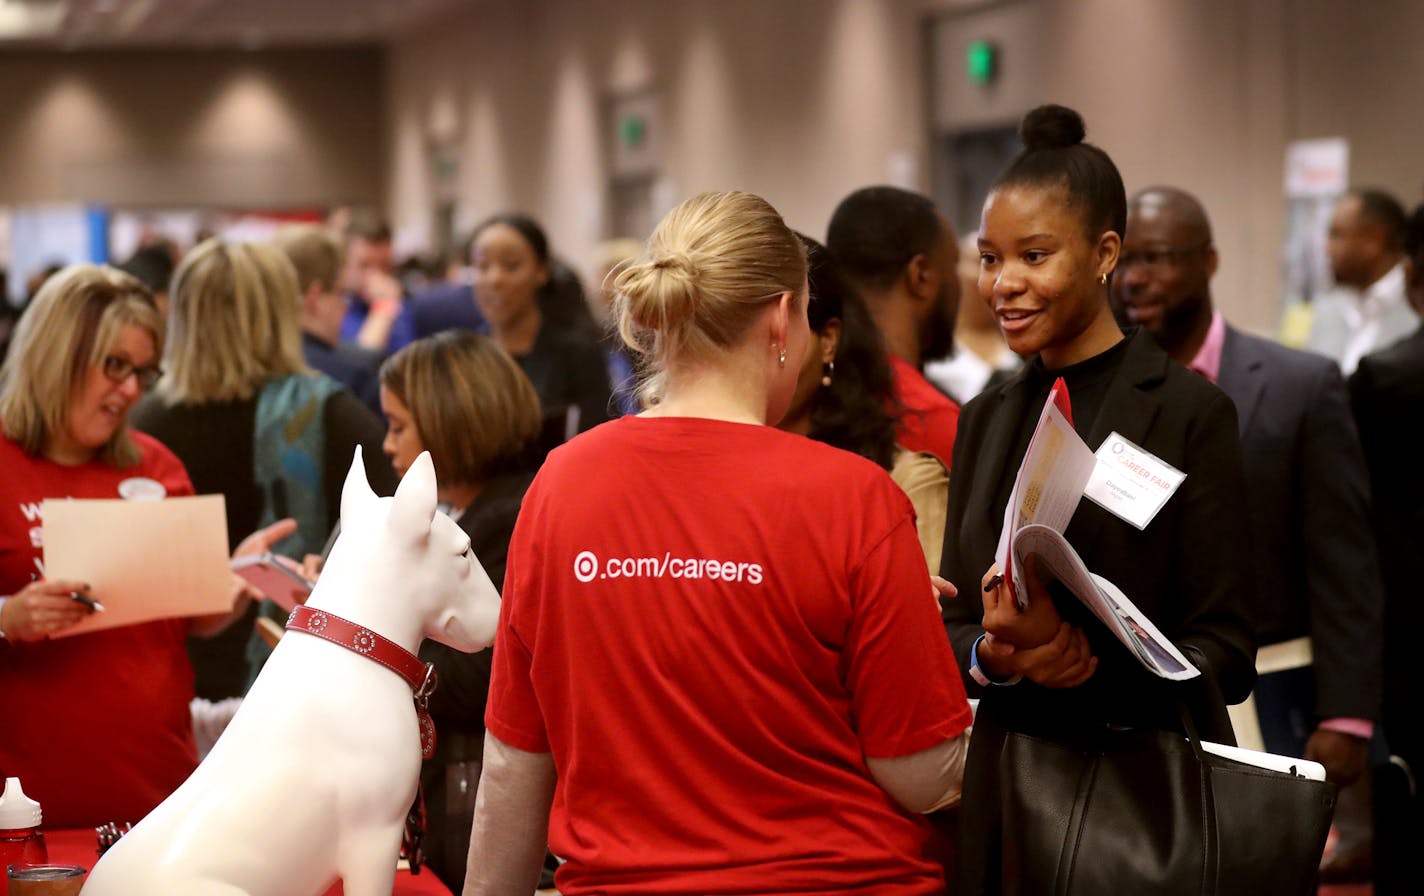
pixel 1127 811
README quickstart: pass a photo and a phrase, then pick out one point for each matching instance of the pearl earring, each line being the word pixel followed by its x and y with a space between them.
pixel 828 370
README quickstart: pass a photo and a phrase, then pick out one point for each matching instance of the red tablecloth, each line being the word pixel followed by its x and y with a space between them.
pixel 79 847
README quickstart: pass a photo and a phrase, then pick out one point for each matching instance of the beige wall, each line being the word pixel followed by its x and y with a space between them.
pixel 804 100
pixel 1189 94
pixel 1360 75
pixel 165 127
pixel 799 100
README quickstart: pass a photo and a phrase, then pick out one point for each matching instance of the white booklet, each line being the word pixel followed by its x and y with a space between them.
pixel 1050 482
pixel 1058 560
pixel 1049 485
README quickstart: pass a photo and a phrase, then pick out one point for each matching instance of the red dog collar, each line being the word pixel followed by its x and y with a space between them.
pixel 420 676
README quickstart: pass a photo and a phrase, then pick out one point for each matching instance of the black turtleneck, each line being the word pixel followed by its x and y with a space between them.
pixel 1087 383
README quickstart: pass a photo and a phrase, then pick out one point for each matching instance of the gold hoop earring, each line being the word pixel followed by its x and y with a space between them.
pixel 1103 278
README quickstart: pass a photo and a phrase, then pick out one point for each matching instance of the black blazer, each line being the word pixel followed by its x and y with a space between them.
pixel 567 368
pixel 458 704
pixel 1308 494
pixel 1189 571
pixel 459 699
pixel 1387 394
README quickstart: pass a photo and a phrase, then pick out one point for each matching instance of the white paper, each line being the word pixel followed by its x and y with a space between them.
pixel 1048 487
pixel 144 559
pixel 1131 483
pixel 1057 559
pixel 1056 469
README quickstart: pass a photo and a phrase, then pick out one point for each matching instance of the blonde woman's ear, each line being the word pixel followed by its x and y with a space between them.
pixel 781 320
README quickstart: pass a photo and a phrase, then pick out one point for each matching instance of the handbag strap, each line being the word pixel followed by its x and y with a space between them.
pixel 1211 836
pixel 1206 690
pixel 1204 698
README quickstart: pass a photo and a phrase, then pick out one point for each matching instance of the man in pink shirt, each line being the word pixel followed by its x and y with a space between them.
pixel 1307 491
pixel 899 254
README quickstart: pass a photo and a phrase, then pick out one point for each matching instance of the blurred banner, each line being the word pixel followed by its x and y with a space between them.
pixel 1317 173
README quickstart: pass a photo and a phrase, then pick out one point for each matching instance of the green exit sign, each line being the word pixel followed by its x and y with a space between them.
pixel 981 61
pixel 632 130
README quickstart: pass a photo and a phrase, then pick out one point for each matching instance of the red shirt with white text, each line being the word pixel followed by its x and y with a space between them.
pixel 96 726
pixel 710 625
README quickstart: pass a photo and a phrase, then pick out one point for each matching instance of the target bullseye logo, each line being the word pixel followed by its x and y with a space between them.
pixel 586 566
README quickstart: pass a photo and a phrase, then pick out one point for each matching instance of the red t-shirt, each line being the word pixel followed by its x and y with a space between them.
pixel 96 726
pixel 928 418
pixel 710 625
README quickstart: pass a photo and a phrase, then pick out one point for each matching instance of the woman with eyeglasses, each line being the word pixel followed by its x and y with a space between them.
pixel 97 725
pixel 239 406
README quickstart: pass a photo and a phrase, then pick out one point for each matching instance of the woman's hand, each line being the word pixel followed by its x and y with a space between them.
pixel 261 541
pixel 1066 661
pixel 1035 643
pixel 942 588
pixel 311 567
pixel 42 609
pixel 1033 626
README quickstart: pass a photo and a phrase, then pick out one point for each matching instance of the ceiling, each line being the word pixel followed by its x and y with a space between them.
pixel 252 24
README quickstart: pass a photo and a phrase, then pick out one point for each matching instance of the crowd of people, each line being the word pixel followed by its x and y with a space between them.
pixel 743 504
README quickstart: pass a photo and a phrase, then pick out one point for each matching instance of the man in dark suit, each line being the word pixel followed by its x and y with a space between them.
pixel 1307 492
pixel 1387 393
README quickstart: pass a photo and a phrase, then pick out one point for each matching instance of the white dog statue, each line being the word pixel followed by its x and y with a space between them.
pixel 315 774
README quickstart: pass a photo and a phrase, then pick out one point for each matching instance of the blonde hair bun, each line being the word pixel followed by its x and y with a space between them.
pixel 709 268
pixel 661 293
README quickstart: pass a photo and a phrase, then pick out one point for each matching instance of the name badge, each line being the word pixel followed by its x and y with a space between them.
pixel 1131 483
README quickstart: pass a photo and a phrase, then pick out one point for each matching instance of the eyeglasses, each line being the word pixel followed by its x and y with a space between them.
pixel 1158 259
pixel 119 369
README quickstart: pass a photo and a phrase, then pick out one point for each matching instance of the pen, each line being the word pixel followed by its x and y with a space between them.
pixel 93 605
pixel 993 583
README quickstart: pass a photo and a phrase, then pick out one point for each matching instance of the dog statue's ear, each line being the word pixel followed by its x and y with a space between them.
pixel 356 494
pixel 414 509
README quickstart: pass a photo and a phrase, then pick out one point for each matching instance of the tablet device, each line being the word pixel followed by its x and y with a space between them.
pixel 1301 768
pixel 276 577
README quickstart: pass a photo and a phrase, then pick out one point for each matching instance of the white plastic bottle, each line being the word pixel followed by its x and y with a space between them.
pixel 20 837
